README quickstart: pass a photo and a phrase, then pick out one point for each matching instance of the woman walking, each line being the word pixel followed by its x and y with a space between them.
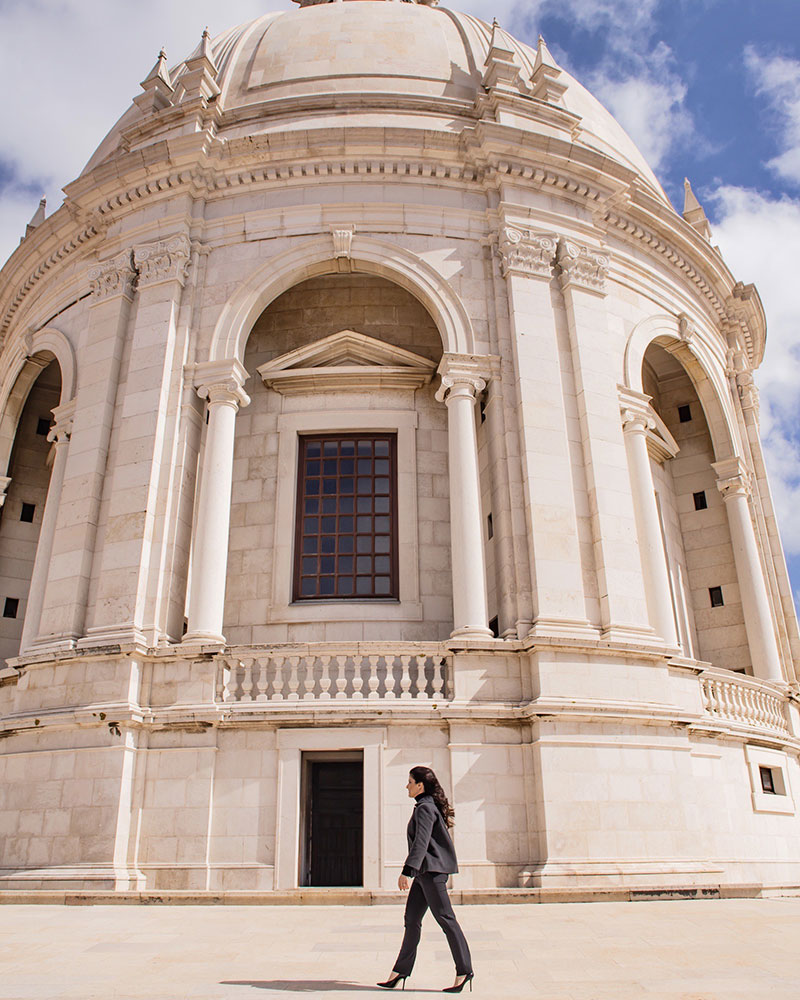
pixel 431 858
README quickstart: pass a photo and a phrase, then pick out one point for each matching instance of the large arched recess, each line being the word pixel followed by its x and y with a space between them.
pixel 24 367
pixel 314 257
pixel 702 366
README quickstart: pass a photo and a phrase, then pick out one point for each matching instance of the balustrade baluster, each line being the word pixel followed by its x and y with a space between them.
pixel 260 686
pixel 221 684
pixel 341 677
pixel 438 679
pixel 325 678
pixel 390 682
pixel 308 683
pixel 294 679
pixel 374 679
pixel 359 663
pixel 405 677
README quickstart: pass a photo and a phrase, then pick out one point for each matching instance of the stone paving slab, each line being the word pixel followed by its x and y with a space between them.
pixel 738 949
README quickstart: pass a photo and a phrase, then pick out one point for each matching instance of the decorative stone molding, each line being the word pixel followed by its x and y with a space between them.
pixel 463 370
pixel 342 242
pixel 733 478
pixel 221 382
pixel 523 251
pixel 748 391
pixel 4 484
pixel 686 328
pixel 164 260
pixel 638 416
pixel 582 267
pixel 112 277
pixel 64 418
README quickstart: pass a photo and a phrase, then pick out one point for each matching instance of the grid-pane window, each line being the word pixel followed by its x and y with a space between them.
pixel 346 539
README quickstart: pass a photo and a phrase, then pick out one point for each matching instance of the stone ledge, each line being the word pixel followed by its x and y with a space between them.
pixel 366 897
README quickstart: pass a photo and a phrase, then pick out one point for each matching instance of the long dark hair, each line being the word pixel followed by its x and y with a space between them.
pixel 425 776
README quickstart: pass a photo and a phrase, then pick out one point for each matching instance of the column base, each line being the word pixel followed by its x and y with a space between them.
pixel 570 628
pixel 199 638
pixel 473 632
pixel 125 634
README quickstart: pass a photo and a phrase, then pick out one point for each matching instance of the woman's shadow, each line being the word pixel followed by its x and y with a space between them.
pixel 308 985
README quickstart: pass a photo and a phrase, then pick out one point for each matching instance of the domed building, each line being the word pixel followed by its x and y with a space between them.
pixel 365 404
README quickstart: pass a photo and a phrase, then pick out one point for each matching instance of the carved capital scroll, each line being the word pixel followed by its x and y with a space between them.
pixel 112 277
pixel 523 251
pixel 164 260
pixel 581 267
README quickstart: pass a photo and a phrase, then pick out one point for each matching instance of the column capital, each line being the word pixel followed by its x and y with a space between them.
pixel 635 410
pixel 113 277
pixel 582 267
pixel 523 251
pixel 469 371
pixel 733 478
pixel 64 418
pixel 162 260
pixel 221 382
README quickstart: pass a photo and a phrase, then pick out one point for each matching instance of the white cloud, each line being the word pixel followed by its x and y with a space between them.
pixel 760 239
pixel 651 110
pixel 777 78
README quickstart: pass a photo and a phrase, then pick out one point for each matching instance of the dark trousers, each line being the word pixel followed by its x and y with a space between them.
pixel 429 890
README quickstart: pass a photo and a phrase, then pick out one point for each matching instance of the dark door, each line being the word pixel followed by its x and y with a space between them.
pixel 336 823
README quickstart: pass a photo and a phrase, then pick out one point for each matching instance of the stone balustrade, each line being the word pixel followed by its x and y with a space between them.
pixel 744 701
pixel 407 672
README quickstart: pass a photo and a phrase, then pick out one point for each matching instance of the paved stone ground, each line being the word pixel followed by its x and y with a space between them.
pixel 700 950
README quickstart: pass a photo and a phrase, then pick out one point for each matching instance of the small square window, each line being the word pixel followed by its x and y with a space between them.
pixel 685 413
pixel 11 607
pixel 767 780
pixel 715 594
pixel 43 426
pixel 700 502
pixel 27 512
pixel 489 527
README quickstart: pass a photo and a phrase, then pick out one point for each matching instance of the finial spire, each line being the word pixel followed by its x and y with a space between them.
pixel 38 216
pixel 693 211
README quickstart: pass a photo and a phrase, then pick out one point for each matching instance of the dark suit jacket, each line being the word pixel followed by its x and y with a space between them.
pixel 430 848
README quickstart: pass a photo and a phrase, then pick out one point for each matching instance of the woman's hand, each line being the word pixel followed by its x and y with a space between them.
pixel 403 883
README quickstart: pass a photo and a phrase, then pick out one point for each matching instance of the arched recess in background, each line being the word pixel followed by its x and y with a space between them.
pixel 25 427
pixel 694 521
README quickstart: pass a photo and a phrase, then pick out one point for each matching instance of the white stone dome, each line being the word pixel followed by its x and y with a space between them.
pixel 373 62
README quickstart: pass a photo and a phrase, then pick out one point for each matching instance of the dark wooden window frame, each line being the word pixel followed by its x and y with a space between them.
pixel 344 550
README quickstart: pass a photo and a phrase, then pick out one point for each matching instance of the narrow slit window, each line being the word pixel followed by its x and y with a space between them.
pixel 346 525
pixel 700 501
pixel 11 607
pixel 715 595
pixel 767 780
pixel 489 527
pixel 27 512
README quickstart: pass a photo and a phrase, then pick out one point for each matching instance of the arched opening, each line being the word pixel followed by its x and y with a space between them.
pixel 702 572
pixel 342 370
pixel 28 472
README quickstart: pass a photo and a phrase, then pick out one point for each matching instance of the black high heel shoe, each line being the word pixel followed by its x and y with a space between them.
pixel 391 983
pixel 457 989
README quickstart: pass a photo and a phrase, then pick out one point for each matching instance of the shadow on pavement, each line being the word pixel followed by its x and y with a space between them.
pixel 303 985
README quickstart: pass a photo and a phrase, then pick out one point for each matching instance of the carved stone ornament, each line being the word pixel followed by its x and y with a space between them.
pixel 467 370
pixel 748 391
pixel 4 483
pixel 582 267
pixel 522 251
pixel 221 382
pixel 64 418
pixel 636 419
pixel 113 277
pixel 165 260
pixel 733 478
pixel 686 328
pixel 342 242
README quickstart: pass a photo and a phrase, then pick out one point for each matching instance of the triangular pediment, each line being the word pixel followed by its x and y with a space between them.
pixel 345 349
pixel 349 361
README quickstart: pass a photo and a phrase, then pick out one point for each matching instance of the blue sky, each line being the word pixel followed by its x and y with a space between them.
pixel 709 89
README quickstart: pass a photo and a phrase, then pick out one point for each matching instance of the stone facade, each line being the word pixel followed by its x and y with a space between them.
pixel 592 638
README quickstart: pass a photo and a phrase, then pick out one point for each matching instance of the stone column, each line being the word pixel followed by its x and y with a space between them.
pixel 112 284
pixel 623 608
pixel 635 423
pixel 556 572
pixel 221 384
pixel 463 380
pixel 734 485
pixel 59 434
pixel 139 468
